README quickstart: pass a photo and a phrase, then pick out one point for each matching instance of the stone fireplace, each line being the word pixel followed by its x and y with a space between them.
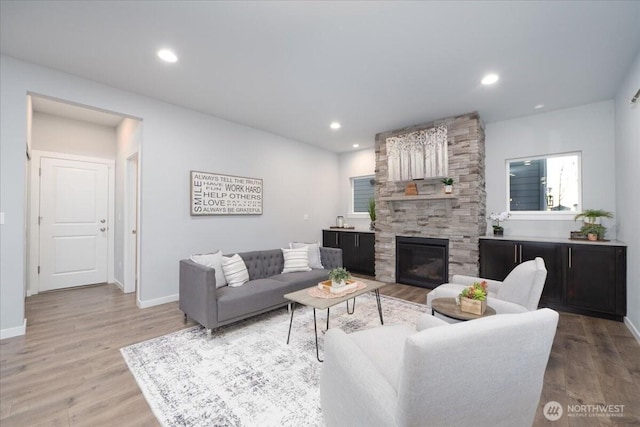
pixel 459 218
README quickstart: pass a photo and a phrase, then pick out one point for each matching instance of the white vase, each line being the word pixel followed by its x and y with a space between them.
pixel 448 189
pixel 339 284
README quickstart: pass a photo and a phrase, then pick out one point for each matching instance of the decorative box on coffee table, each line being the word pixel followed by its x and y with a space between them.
pixel 473 306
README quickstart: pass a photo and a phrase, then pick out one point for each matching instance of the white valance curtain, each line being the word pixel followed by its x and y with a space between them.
pixel 418 155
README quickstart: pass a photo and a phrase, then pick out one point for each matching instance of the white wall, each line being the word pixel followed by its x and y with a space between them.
pixel 627 175
pixel 129 136
pixel 587 128
pixel 354 164
pixel 298 179
pixel 65 135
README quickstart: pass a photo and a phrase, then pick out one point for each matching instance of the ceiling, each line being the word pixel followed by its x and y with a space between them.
pixel 293 67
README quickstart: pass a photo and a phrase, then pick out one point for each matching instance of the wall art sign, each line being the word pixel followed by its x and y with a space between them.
pixel 216 194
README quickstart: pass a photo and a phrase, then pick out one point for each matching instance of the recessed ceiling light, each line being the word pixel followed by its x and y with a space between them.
pixel 490 79
pixel 356 145
pixel 335 125
pixel 539 106
pixel 167 55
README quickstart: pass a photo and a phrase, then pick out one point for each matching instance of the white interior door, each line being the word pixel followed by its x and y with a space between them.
pixel 74 199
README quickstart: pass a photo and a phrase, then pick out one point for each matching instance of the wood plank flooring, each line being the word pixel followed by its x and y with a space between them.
pixel 67 370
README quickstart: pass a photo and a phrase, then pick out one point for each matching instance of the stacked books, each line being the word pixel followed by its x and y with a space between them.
pixel 326 285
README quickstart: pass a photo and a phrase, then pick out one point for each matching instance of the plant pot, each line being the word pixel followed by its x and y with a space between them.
pixel 473 306
pixel 498 231
pixel 372 225
pixel 339 284
pixel 448 189
pixel 592 236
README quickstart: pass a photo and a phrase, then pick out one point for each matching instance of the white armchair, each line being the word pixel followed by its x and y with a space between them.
pixel 485 372
pixel 519 292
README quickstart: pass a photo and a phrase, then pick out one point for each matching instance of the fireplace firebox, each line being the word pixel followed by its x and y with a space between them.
pixel 422 261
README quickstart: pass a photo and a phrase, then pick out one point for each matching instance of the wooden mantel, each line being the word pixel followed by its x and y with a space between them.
pixel 393 201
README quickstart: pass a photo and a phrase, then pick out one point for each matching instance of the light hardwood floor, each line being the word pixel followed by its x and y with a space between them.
pixel 67 370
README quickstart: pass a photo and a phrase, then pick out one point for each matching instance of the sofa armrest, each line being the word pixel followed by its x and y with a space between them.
pixel 198 298
pixel 352 391
pixel 494 285
pixel 331 257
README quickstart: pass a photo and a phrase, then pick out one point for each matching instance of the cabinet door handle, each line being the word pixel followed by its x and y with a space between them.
pixel 515 254
pixel 521 253
pixel 336 239
pixel 569 257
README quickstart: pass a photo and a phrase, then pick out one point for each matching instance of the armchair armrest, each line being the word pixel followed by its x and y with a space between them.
pixel 427 321
pixel 352 391
pixel 331 257
pixel 494 285
pixel 198 298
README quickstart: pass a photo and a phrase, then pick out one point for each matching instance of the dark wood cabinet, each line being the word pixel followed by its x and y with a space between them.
pixel 586 278
pixel 358 249
pixel 330 239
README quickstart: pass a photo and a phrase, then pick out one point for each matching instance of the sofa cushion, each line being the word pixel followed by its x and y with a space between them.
pixel 314 252
pixel 253 261
pixel 302 279
pixel 272 262
pixel 253 296
pixel 213 260
pixel 234 270
pixel 295 260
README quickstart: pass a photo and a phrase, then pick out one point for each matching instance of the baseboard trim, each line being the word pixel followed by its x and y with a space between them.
pixel 118 284
pixel 157 301
pixel 14 332
pixel 632 328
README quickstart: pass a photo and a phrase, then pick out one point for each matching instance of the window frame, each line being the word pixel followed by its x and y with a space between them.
pixel 543 215
pixel 352 213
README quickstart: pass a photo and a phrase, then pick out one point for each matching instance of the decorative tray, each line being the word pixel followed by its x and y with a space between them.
pixel 322 292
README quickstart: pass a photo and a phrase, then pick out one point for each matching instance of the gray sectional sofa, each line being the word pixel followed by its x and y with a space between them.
pixel 212 308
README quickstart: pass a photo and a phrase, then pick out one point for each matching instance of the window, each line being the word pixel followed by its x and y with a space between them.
pixel 362 190
pixel 544 186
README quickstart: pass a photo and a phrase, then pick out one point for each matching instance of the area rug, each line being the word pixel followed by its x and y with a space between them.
pixel 246 374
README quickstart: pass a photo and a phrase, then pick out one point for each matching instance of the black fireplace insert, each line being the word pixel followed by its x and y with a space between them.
pixel 422 261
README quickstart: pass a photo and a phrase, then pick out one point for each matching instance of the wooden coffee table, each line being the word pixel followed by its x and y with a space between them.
pixel 448 307
pixel 302 297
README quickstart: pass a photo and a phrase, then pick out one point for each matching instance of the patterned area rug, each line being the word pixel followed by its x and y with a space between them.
pixel 246 374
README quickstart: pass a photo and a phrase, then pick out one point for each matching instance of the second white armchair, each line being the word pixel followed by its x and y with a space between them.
pixel 519 292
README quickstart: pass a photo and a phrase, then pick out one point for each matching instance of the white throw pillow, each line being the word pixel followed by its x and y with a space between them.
pixel 235 271
pixel 314 253
pixel 295 260
pixel 213 260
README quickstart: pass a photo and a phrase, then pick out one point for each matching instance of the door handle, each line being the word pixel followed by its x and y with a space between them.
pixel 515 254
pixel 103 229
pixel 569 257
pixel 102 221
pixel 133 232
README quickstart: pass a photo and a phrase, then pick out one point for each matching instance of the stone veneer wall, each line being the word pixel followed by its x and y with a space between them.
pixel 462 223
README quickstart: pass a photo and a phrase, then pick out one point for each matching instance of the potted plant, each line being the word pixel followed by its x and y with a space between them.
pixel 473 299
pixel 592 216
pixel 448 185
pixel 338 277
pixel 372 213
pixel 593 231
pixel 498 230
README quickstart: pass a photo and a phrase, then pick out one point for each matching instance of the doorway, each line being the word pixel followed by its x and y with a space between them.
pixel 71 216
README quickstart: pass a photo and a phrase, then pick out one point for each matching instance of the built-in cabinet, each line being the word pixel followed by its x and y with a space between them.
pixel 358 249
pixel 587 278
